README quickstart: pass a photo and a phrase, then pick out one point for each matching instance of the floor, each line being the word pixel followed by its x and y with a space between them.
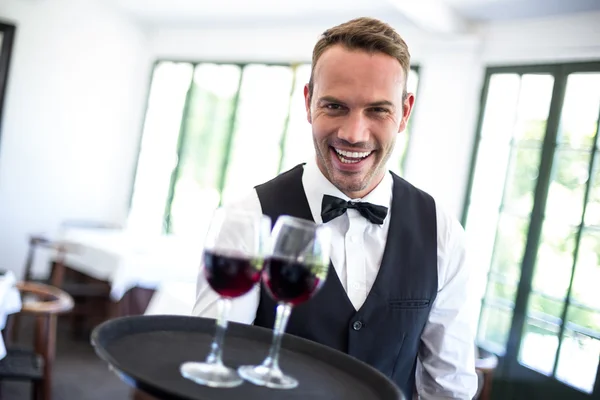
pixel 78 373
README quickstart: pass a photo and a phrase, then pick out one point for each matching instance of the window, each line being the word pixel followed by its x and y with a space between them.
pixel 533 219
pixel 214 131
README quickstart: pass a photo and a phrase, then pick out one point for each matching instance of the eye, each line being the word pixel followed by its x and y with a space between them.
pixel 380 110
pixel 333 106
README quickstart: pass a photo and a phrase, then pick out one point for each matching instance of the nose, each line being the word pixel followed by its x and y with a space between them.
pixel 354 128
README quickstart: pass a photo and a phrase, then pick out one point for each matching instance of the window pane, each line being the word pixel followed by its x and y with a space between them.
pixel 579 116
pixel 578 360
pixel 586 282
pixel 490 173
pixel 510 243
pixel 542 306
pixel 158 151
pixel 299 146
pixel 539 345
pixel 259 125
pixel 494 326
pixel 501 291
pixel 501 107
pixel 522 179
pixel 554 261
pixel 592 212
pixel 585 318
pixel 533 108
pixel 567 189
pixel 204 147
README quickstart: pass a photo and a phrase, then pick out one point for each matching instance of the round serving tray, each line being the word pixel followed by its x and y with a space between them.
pixel 146 352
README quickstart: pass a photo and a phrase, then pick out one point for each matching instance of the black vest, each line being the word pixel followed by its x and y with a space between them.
pixel 386 331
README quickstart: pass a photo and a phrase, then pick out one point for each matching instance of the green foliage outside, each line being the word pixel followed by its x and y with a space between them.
pixel 563 215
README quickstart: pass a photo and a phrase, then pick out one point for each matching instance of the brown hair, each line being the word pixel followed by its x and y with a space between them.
pixel 366 34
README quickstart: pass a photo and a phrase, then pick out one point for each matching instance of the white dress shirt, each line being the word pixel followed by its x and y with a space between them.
pixel 446 365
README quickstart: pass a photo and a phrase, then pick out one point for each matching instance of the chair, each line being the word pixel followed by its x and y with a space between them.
pixel 89 295
pixel 485 365
pixel 44 303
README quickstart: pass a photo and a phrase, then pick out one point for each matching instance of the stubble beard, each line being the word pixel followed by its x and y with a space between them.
pixel 349 186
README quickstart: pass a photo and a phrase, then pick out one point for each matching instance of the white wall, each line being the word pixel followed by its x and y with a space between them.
pixel 74 105
pixel 269 43
pixel 567 39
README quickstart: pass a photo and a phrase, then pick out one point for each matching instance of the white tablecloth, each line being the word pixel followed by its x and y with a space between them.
pixel 10 303
pixel 127 259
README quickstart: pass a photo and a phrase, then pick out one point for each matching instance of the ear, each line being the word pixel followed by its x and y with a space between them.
pixel 307 103
pixel 407 107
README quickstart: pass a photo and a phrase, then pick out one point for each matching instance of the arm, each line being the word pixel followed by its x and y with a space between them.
pixel 243 308
pixel 446 367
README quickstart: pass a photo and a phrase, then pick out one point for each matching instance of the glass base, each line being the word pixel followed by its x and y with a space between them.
pixel 213 375
pixel 265 376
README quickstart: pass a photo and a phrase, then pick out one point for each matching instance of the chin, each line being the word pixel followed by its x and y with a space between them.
pixel 348 183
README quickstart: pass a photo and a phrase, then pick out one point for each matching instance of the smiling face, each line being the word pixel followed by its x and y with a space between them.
pixel 356 111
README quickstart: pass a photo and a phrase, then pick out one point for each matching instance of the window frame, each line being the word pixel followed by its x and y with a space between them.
pixel 550 145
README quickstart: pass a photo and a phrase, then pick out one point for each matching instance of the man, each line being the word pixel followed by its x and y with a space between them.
pixel 397 295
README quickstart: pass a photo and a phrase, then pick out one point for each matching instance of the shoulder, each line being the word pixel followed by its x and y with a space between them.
pixel 287 176
pixel 451 247
pixel 249 202
pixel 450 232
pixel 410 188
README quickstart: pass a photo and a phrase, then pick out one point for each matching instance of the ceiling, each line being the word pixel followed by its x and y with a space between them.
pixel 443 16
pixel 210 13
pixel 498 10
pixel 208 9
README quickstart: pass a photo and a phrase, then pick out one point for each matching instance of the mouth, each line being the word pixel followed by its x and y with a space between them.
pixel 351 157
pixel 350 160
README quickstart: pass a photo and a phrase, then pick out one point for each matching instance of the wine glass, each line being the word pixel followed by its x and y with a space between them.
pixel 295 271
pixel 234 252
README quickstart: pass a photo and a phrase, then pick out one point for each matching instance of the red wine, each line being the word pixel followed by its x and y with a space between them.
pixel 293 282
pixel 231 276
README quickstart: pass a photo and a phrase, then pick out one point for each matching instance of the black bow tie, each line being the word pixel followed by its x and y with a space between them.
pixel 332 207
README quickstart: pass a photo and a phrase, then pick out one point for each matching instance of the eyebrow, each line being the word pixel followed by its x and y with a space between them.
pixel 380 103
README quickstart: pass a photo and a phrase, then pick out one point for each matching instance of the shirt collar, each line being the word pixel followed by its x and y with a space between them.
pixel 316 185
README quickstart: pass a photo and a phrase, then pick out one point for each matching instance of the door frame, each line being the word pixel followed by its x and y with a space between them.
pixel 8 36
pixel 512 380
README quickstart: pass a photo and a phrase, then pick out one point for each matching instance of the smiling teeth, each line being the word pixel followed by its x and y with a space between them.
pixel 350 157
pixel 351 154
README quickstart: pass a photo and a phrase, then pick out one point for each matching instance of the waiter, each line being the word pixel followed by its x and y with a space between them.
pixel 397 297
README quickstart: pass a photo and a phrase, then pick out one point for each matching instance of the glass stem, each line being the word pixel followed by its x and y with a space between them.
pixel 216 352
pixel 283 314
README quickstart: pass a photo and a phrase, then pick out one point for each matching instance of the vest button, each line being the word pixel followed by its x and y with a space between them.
pixel 357 325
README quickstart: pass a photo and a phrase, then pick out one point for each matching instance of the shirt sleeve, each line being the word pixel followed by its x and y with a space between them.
pixel 446 362
pixel 243 308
